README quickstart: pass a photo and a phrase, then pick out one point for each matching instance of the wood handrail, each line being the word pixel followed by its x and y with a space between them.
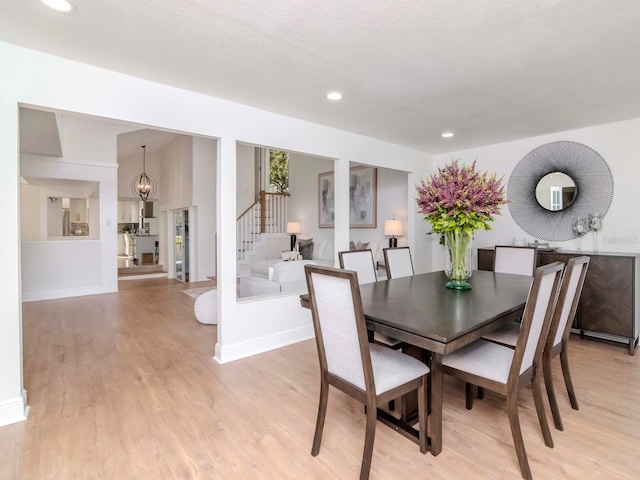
pixel 249 208
pixel 261 197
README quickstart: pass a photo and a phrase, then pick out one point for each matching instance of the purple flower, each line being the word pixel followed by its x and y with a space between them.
pixel 458 198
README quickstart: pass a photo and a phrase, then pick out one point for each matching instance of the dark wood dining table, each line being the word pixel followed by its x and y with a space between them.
pixel 421 311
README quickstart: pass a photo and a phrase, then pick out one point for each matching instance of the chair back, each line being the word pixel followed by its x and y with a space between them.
pixel 568 298
pixel 536 318
pixel 516 260
pixel 360 261
pixel 398 262
pixel 339 325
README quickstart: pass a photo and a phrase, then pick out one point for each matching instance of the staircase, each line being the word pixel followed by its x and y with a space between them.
pixel 268 214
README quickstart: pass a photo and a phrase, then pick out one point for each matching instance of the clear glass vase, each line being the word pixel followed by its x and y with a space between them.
pixel 458 259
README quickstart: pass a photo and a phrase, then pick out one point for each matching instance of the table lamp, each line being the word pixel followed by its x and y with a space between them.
pixel 293 228
pixel 393 228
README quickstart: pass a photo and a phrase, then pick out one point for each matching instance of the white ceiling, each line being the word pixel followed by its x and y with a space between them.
pixel 488 70
pixel 130 143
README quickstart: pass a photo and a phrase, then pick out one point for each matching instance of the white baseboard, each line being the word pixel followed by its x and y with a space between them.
pixel 261 345
pixel 14 410
pixel 36 296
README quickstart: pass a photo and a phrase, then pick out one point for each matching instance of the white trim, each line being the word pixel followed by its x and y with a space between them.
pixel 142 276
pixel 36 296
pixel 261 345
pixel 14 410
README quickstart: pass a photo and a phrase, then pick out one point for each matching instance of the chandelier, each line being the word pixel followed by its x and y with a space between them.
pixel 143 185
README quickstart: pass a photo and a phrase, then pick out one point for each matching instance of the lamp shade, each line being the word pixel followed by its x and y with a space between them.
pixel 293 227
pixel 393 227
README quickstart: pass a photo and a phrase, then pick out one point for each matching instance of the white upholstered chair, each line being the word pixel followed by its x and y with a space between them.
pixel 516 260
pixel 558 336
pixel 360 261
pixel 503 370
pixel 370 373
pixel 398 262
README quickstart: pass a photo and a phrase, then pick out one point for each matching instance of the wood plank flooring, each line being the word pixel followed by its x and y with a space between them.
pixel 123 386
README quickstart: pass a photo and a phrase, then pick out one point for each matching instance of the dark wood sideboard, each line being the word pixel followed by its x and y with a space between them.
pixel 610 305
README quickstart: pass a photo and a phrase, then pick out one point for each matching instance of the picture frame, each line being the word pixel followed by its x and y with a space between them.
pixel 363 198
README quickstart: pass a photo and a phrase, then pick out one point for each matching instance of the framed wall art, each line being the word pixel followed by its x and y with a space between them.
pixel 363 195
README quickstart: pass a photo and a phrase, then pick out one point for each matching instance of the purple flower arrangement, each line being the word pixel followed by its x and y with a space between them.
pixel 460 199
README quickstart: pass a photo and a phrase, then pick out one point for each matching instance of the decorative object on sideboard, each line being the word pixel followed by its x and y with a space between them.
pixel 143 185
pixel 393 227
pixel 555 183
pixel 580 226
pixel 595 223
pixel 293 228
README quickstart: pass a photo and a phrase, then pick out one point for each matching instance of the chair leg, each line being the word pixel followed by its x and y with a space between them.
pixel 542 416
pixel 551 392
pixel 322 413
pixel 469 395
pixel 372 418
pixel 516 433
pixel 564 361
pixel 423 417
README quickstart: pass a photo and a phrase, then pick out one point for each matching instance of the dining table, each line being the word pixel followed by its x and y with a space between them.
pixel 420 311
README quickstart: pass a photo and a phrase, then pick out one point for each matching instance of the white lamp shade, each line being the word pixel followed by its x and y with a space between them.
pixel 393 227
pixel 293 227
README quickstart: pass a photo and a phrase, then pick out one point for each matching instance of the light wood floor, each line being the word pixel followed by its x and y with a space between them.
pixel 123 386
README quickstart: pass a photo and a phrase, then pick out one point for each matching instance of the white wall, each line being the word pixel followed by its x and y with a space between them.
pixel 303 187
pixel 245 328
pixel 30 230
pixel 176 174
pixel 618 144
pixel 245 179
pixel 204 199
pixel 64 273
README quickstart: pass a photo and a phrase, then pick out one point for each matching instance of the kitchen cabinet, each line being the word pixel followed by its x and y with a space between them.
pixel 78 210
pixel 609 307
pixel 128 211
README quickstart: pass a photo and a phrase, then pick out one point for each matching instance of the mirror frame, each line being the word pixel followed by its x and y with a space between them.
pixel 546 188
pixel 590 173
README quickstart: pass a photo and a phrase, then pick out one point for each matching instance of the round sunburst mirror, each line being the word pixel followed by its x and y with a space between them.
pixel 555 183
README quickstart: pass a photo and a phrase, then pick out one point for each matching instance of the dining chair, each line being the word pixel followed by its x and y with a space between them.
pixel 398 262
pixel 503 370
pixel 557 342
pixel 370 373
pixel 361 261
pixel 516 260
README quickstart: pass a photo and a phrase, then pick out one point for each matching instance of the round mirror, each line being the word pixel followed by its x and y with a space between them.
pixel 556 191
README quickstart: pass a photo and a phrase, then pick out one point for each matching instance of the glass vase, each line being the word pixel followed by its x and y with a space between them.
pixel 458 259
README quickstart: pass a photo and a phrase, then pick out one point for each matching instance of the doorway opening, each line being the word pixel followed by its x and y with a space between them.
pixel 181 244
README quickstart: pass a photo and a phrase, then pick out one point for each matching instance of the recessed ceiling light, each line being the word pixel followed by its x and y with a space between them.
pixel 334 96
pixel 447 135
pixel 59 5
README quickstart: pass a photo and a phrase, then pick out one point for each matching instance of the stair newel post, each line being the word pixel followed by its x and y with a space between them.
pixel 262 210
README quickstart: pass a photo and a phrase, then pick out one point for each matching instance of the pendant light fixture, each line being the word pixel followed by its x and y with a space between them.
pixel 143 185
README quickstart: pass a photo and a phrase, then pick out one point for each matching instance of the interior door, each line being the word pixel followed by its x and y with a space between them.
pixel 181 244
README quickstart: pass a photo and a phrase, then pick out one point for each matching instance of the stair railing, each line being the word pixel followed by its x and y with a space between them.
pixel 268 214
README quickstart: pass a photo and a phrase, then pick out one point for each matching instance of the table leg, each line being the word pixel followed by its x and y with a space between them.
pixel 435 422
